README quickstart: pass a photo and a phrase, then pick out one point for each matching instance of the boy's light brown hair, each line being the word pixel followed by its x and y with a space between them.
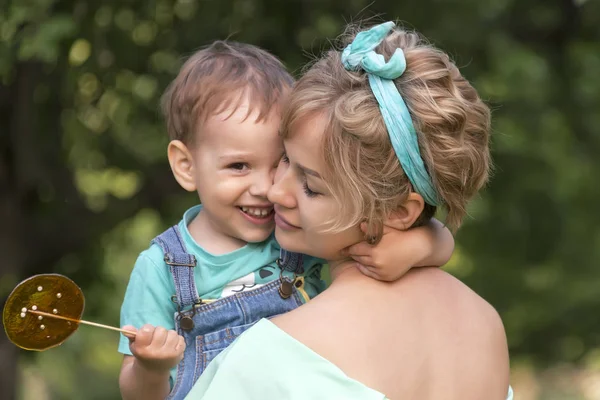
pixel 364 174
pixel 218 77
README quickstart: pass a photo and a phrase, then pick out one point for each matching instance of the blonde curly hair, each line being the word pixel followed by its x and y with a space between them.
pixel 363 171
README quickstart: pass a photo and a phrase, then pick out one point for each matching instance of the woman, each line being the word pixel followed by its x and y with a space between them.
pixel 382 133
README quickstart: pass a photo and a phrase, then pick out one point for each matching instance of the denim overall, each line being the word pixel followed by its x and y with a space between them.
pixel 209 328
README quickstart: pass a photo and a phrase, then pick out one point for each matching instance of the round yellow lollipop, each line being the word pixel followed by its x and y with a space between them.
pixel 43 311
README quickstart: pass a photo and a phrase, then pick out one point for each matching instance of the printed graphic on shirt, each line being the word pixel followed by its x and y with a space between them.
pixel 242 284
pixel 253 280
pixel 270 272
pixel 314 272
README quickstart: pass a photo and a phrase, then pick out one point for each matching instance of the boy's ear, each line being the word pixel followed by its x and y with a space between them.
pixel 405 216
pixel 182 165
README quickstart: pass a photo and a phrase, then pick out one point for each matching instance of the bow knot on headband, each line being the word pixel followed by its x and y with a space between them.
pixel 361 55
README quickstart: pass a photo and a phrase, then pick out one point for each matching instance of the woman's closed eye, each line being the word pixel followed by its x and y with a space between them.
pixel 308 191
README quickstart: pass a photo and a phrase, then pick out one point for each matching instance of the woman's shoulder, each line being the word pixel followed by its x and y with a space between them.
pixel 427 318
pixel 442 290
pixel 447 303
pixel 467 330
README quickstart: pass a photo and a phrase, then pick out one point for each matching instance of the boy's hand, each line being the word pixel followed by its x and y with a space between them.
pixel 378 261
pixel 155 348
pixel 398 251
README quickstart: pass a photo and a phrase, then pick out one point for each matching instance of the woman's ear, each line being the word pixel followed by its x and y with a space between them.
pixel 182 165
pixel 405 216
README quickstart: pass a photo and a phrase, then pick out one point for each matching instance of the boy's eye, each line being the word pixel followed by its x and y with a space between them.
pixel 285 159
pixel 238 166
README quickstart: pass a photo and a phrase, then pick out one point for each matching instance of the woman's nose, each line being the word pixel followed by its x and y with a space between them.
pixel 280 192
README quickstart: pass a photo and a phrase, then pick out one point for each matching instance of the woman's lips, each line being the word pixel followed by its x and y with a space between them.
pixel 282 223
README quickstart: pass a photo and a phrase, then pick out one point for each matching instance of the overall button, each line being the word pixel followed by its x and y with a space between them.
pixel 285 289
pixel 186 323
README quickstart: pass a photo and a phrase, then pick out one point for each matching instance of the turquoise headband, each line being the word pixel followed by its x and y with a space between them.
pixel 360 54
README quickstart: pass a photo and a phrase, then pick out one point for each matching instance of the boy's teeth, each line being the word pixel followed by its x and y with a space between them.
pixel 257 212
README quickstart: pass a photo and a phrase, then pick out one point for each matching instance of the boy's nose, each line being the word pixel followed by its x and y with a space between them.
pixel 261 185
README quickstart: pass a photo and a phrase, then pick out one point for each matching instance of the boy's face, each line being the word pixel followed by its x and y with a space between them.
pixel 235 159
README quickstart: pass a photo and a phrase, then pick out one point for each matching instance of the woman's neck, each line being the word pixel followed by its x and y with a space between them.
pixel 342 269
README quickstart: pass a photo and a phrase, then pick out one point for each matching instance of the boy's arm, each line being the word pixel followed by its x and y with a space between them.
pixel 145 371
pixel 439 244
pixel 146 374
pixel 138 383
pixel 398 251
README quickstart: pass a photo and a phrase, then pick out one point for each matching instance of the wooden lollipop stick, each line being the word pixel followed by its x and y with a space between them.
pixel 80 321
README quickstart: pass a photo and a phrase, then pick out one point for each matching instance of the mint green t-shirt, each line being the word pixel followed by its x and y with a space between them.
pixel 244 370
pixel 148 296
pixel 239 371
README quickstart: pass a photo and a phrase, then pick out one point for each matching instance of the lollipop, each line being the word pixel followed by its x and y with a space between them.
pixel 43 311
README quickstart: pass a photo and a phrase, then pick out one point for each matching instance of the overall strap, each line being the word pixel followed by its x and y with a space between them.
pixel 291 262
pixel 181 264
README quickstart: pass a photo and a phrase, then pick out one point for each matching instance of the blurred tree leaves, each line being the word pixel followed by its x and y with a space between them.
pixel 84 184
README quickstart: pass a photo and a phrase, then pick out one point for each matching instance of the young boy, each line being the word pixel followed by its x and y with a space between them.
pixel 206 280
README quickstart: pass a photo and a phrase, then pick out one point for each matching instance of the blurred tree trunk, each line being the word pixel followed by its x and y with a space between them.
pixel 15 110
pixel 36 231
pixel 9 266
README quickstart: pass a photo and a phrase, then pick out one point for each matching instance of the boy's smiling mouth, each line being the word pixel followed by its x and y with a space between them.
pixel 257 212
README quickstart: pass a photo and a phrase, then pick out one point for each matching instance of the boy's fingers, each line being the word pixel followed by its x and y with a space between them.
pixel 144 335
pixel 172 339
pixel 159 338
pixel 363 260
pixel 128 335
pixel 360 249
pixel 366 271
pixel 180 344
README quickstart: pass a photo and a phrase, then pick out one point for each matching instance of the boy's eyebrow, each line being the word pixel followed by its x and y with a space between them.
pixel 233 156
pixel 308 171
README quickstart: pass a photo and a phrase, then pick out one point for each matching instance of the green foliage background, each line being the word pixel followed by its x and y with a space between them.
pixel 84 183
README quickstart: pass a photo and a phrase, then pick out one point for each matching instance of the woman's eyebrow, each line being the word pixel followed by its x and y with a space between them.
pixel 308 171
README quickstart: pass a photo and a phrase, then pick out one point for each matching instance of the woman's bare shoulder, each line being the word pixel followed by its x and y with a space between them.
pixel 464 328
pixel 436 293
pixel 427 318
pixel 439 286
